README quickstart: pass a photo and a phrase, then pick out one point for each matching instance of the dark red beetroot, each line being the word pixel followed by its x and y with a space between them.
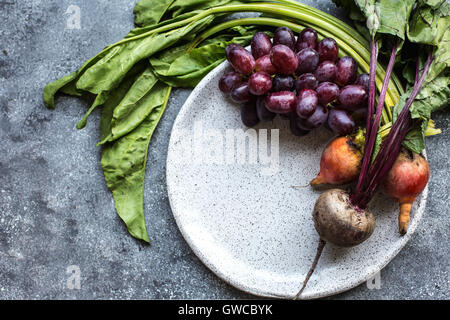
pixel 406 180
pixel 340 162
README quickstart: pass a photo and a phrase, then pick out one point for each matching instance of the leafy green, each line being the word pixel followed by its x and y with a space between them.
pixel 429 26
pixel 51 89
pixel 123 163
pixel 181 67
pixel 107 73
pixel 419 24
pixel 144 96
pixel 434 96
pixel 150 12
pixel 388 17
pixel 147 11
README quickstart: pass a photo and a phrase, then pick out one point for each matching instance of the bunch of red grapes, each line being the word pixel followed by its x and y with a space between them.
pixel 301 79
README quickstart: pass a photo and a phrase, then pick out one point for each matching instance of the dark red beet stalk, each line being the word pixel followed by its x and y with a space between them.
pixel 390 148
pixel 372 73
pixel 372 128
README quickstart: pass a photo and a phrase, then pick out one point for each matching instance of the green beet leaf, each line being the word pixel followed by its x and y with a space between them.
pixel 144 96
pixel 150 12
pixel 185 67
pixel 124 162
pixel 107 73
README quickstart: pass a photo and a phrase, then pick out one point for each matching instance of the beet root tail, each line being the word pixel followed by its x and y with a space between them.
pixel 318 180
pixel 320 247
pixel 403 217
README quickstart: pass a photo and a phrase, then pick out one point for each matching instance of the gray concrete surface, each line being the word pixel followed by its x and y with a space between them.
pixel 55 210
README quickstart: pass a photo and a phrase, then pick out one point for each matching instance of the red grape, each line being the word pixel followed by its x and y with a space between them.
pixel 241 93
pixel 308 59
pixel 230 48
pixel 326 71
pixel 284 59
pixel 327 92
pixel 296 130
pixel 264 64
pixel 263 113
pixel 282 83
pixel 228 81
pixel 307 102
pixel 340 122
pixel 318 118
pixel 284 35
pixel 306 81
pixel 363 80
pixel 352 97
pixel 306 39
pixel 261 45
pixel 328 50
pixel 241 60
pixel 281 102
pixel 259 83
pixel 346 71
pixel 249 116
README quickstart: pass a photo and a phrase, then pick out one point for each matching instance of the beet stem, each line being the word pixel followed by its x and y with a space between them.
pixel 391 147
pixel 320 247
pixel 372 73
pixel 372 129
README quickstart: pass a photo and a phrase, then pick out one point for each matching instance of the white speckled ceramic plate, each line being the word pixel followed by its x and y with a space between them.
pixel 253 230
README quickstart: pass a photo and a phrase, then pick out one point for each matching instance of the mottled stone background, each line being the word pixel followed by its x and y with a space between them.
pixel 56 211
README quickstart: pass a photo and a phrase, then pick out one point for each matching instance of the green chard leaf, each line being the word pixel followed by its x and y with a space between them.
pixel 148 12
pixel 144 96
pixel 429 26
pixel 116 97
pixel 433 96
pixel 181 67
pixel 124 162
pixel 182 6
pixel 389 17
pixel 415 139
pixel 67 84
pixel 52 88
pixel 107 73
